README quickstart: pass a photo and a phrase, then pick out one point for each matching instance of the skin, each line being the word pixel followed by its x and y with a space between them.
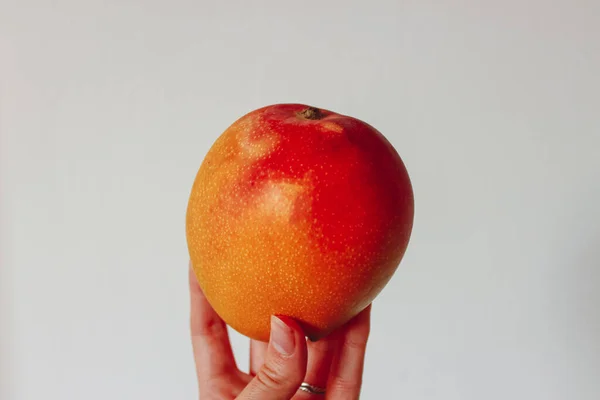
pixel 301 215
pixel 278 368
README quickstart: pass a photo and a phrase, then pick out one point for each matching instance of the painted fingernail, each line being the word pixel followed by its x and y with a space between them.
pixel 282 337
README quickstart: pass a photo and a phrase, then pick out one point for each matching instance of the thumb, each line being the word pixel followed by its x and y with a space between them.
pixel 285 363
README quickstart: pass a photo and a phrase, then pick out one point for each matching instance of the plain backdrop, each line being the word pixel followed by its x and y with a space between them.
pixel 107 109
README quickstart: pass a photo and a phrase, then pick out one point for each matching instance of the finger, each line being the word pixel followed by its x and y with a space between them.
pixel 320 356
pixel 345 378
pixel 258 350
pixel 210 340
pixel 285 363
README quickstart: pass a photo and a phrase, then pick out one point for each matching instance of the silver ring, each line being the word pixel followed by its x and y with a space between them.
pixel 308 388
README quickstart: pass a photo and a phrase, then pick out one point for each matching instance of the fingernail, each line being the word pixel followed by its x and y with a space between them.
pixel 282 337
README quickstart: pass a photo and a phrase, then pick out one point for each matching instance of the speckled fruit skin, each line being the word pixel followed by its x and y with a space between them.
pixel 300 212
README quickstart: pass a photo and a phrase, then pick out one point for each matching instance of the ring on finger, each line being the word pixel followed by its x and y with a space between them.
pixel 308 388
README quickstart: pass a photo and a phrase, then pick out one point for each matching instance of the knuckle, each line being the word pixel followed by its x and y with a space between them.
pixel 211 328
pixel 346 387
pixel 355 342
pixel 270 376
pixel 211 390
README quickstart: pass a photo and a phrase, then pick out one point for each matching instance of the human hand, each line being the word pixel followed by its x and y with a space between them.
pixel 279 368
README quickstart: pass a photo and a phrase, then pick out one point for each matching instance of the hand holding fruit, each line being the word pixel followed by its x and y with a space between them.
pixel 297 220
pixel 277 369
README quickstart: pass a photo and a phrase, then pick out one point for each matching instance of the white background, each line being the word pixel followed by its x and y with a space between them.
pixel 108 108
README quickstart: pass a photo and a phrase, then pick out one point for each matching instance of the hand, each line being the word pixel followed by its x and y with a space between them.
pixel 277 369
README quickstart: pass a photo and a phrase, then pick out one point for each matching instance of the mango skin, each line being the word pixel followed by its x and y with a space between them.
pixel 301 214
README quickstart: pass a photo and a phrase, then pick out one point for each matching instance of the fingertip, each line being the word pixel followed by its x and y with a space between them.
pixel 365 314
pixel 193 280
pixel 289 322
pixel 367 310
pixel 362 318
pixel 286 336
